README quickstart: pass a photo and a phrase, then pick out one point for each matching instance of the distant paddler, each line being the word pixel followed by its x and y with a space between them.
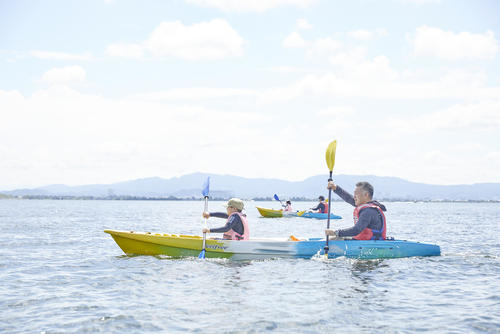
pixel 369 218
pixel 322 206
pixel 236 227
pixel 288 207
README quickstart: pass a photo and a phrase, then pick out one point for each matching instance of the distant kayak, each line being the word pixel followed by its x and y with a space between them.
pixel 316 215
pixel 178 246
pixel 272 213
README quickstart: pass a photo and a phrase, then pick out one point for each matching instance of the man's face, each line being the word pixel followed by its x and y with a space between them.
pixel 360 196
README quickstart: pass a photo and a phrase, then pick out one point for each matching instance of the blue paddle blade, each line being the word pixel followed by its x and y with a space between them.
pixel 206 188
pixel 276 197
pixel 202 254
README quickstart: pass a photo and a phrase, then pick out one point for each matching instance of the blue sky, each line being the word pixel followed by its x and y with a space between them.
pixel 104 91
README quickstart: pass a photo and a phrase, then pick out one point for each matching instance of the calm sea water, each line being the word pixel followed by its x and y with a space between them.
pixel 60 273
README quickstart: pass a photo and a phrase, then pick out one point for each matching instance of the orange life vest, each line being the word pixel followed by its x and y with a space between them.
pixel 326 207
pixel 368 233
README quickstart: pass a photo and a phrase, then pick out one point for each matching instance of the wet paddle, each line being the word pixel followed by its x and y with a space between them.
pixel 204 192
pixel 330 161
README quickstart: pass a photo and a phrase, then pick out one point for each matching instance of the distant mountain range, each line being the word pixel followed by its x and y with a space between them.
pixel 226 186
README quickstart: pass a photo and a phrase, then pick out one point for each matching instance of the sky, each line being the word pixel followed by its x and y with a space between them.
pixel 103 91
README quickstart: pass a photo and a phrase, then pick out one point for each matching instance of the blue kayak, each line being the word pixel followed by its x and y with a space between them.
pixel 317 215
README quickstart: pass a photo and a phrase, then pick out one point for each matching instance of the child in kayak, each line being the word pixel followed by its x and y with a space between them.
pixel 369 218
pixel 288 207
pixel 236 227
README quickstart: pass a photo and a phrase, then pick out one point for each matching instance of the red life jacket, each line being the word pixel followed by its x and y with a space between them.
pixel 326 207
pixel 233 235
pixel 368 233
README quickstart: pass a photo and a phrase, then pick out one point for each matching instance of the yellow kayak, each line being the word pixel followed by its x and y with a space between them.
pixel 270 213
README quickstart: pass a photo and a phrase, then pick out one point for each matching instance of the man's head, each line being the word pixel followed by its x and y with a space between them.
pixel 321 198
pixel 363 193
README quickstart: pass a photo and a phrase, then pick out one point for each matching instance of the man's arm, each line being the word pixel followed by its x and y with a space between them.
pixel 344 195
pixel 366 216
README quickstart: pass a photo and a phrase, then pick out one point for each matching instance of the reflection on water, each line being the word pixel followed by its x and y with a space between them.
pixel 361 266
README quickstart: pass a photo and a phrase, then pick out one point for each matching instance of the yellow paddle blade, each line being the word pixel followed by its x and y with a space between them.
pixel 330 155
pixel 300 213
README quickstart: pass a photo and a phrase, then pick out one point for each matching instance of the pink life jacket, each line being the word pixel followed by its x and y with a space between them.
pixel 288 208
pixel 233 235
pixel 368 233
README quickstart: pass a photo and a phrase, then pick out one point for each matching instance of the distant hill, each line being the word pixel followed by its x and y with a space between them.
pixel 226 186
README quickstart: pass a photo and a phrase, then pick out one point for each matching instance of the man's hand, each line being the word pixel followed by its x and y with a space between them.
pixel 206 230
pixel 206 215
pixel 332 234
pixel 331 185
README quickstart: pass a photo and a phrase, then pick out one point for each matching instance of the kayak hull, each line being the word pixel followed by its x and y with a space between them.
pixel 317 215
pixel 270 213
pixel 179 246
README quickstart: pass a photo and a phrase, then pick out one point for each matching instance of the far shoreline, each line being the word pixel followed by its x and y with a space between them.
pixel 255 199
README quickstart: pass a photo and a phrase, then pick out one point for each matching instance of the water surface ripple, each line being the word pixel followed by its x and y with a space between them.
pixel 61 274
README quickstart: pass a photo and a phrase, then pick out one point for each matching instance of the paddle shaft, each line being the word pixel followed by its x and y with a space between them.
pixel 328 213
pixel 204 233
pixel 277 198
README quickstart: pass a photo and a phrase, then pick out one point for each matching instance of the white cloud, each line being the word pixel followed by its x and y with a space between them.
pixel 286 69
pixel 316 48
pixel 350 58
pixel 323 47
pixel 87 138
pixel 211 40
pixel 60 55
pixel 363 34
pixel 355 76
pixel 215 39
pixel 464 117
pixel 132 51
pixel 434 42
pixel 250 6
pixel 64 75
pixel 303 24
pixel 294 40
pixel 336 111
pixel 196 93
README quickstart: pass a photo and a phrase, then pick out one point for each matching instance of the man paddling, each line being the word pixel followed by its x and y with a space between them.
pixel 236 227
pixel 322 207
pixel 369 218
